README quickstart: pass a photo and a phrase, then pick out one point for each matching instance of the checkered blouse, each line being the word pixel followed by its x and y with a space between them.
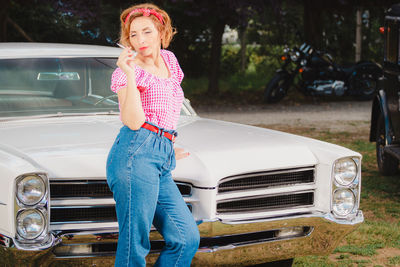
pixel 161 97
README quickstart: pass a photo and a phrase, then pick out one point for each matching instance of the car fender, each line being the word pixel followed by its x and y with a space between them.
pixel 375 68
pixel 13 163
pixel 379 106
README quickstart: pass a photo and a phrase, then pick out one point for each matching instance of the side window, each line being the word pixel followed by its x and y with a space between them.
pixel 392 39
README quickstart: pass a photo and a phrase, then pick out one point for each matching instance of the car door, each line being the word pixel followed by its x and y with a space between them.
pixel 392 72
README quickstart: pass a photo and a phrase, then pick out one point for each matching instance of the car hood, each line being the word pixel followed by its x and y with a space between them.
pixel 77 147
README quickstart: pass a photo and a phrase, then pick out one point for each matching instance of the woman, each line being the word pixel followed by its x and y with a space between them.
pixel 141 159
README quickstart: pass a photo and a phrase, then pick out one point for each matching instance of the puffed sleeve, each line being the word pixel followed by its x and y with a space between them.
pixel 176 68
pixel 118 80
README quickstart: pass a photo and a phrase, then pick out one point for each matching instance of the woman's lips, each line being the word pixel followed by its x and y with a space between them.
pixel 143 48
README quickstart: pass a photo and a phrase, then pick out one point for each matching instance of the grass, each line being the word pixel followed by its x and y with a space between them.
pixel 377 241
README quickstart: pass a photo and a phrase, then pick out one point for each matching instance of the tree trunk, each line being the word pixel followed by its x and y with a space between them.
pixel 312 17
pixel 3 19
pixel 215 57
pixel 242 36
pixel 358 35
pixel 20 30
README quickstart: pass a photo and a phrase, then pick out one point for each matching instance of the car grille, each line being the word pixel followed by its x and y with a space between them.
pixel 266 179
pixel 266 203
pixel 65 191
pixel 60 215
pixel 285 190
pixel 94 189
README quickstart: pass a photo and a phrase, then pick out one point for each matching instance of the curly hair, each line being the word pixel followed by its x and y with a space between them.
pixel 166 30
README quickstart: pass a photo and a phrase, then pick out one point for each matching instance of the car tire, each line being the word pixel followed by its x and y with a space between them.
pixel 365 84
pixel 387 164
pixel 282 263
pixel 277 88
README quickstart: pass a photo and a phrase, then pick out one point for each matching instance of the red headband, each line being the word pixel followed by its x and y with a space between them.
pixel 146 12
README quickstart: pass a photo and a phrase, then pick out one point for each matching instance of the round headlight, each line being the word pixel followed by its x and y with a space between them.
pixel 343 201
pixel 294 56
pixel 303 62
pixel 345 171
pixel 31 189
pixel 30 223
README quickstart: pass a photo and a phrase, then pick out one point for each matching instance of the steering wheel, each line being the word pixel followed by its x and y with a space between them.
pixel 105 98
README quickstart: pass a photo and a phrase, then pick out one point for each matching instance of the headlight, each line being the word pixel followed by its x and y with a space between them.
pixel 31 189
pixel 345 170
pixel 303 62
pixel 343 201
pixel 30 223
pixel 286 50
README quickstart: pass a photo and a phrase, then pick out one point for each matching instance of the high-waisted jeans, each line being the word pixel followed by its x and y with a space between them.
pixel 139 168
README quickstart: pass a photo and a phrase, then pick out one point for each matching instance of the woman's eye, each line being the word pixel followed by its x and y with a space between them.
pixel 133 35
pixel 147 32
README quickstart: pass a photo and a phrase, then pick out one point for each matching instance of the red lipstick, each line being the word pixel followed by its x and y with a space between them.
pixel 143 48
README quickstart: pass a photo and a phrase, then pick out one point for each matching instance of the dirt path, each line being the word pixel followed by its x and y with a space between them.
pixel 333 116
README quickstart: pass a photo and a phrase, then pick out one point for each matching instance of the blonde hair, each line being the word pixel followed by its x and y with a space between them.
pixel 166 31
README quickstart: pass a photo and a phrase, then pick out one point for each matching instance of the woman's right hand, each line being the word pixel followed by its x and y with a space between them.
pixel 125 61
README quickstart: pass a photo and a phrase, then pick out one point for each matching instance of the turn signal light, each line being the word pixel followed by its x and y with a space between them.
pixel 283 58
pixel 301 70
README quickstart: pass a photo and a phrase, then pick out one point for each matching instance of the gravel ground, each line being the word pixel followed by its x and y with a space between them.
pixel 334 116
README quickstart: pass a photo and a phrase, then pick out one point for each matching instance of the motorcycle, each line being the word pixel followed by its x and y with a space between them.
pixel 320 76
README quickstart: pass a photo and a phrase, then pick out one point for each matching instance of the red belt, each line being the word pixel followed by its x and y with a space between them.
pixel 157 130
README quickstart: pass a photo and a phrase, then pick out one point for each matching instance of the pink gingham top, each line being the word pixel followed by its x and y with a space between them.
pixel 161 97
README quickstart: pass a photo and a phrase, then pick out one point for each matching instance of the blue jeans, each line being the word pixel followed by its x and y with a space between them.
pixel 139 168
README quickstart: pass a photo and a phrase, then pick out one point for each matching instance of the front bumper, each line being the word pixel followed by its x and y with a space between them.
pixel 235 243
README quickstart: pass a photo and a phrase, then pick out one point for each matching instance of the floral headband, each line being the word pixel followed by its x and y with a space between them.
pixel 146 12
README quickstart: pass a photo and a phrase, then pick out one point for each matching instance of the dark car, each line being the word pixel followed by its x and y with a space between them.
pixel 385 119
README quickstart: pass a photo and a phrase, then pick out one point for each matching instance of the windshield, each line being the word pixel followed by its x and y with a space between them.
pixel 41 86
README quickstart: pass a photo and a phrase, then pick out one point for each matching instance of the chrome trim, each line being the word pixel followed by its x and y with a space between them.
pixel 93 202
pixel 392 18
pixel 82 206
pixel 2 203
pixel 227 179
pixel 51 242
pixel 59 203
pixel 265 209
pixel 354 186
pixel 46 238
pixel 88 228
pixel 261 196
pixel 256 242
pixel 326 234
pixel 94 180
pixel 67 180
pixel 43 201
pixel 267 191
pixel 89 180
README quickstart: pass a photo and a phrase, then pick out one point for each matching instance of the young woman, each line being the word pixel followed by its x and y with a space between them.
pixel 140 161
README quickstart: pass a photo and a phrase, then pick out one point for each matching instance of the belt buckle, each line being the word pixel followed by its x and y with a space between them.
pixel 161 132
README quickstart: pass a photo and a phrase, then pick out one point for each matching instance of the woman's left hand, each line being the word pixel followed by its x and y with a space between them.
pixel 180 153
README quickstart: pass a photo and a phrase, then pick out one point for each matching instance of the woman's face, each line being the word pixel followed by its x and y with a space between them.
pixel 144 36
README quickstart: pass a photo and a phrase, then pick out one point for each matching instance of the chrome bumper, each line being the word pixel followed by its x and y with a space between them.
pixel 236 243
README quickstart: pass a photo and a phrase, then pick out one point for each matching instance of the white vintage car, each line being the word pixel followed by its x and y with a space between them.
pixel 257 195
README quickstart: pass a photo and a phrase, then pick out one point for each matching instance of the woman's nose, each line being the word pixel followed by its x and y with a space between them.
pixel 141 38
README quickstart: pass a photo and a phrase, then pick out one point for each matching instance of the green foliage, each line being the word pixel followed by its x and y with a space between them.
pixel 394 260
pixel 230 60
pixel 367 250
